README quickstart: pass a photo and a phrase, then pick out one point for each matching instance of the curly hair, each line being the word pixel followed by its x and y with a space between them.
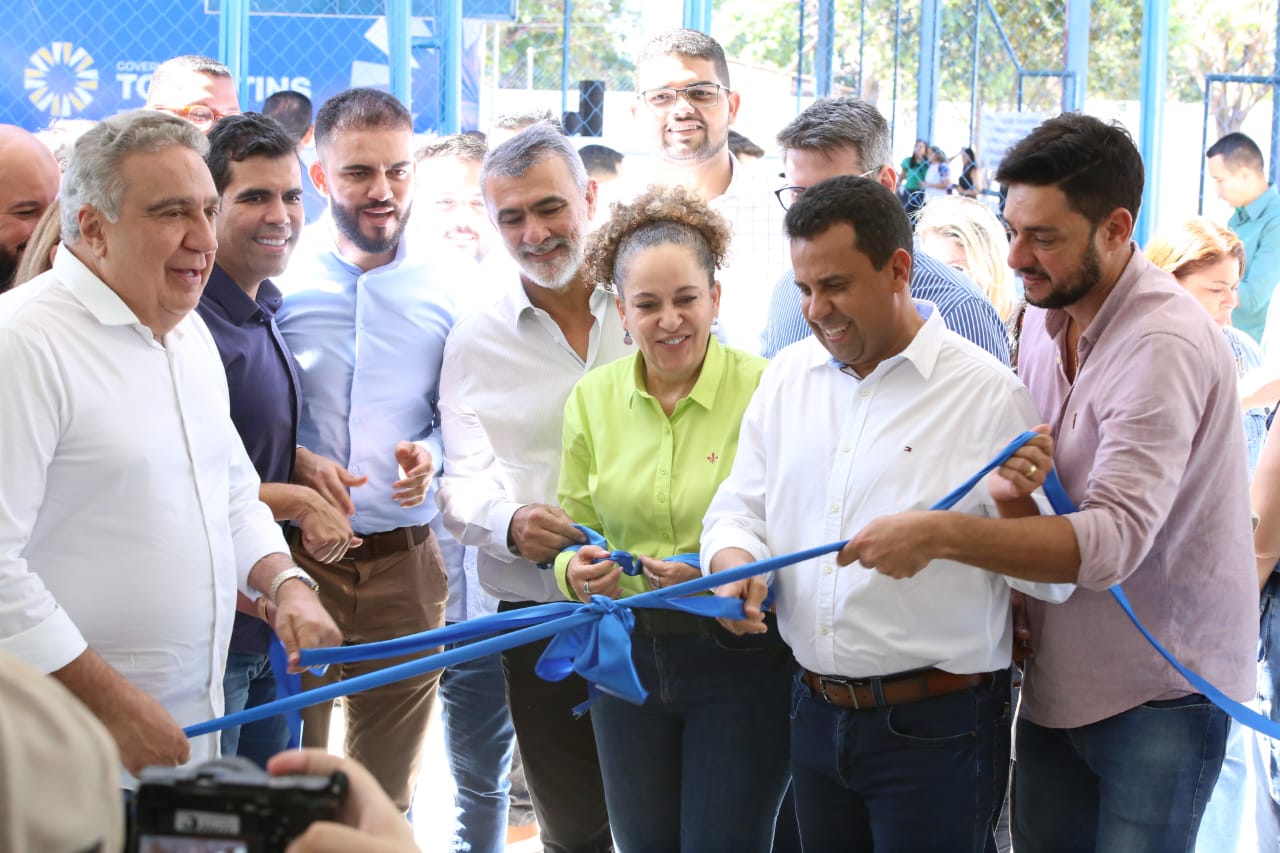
pixel 660 216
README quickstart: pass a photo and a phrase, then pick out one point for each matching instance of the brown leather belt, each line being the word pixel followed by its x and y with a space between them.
pixel 860 693
pixel 377 545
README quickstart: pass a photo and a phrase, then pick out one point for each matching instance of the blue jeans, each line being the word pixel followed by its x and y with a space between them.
pixel 248 683
pixel 1137 782
pixel 921 776
pixel 1269 684
pixel 702 765
pixel 478 738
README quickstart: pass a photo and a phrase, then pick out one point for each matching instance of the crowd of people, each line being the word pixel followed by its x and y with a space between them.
pixel 246 395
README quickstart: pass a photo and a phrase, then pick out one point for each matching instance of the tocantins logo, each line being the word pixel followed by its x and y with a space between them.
pixel 60 79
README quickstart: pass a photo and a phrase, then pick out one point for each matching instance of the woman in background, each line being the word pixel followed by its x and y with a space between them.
pixel 911 177
pixel 965 235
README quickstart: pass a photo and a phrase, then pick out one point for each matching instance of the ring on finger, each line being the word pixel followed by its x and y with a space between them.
pixel 586 589
pixel 1031 472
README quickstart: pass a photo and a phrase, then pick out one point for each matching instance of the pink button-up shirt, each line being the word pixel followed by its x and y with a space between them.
pixel 1149 447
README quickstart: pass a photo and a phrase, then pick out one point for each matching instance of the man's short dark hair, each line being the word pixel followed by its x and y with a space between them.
pixel 741 146
pixel 690 44
pixel 600 160
pixel 1093 162
pixel 293 111
pixel 831 123
pixel 880 225
pixel 239 137
pixel 361 109
pixel 466 147
pixel 1238 152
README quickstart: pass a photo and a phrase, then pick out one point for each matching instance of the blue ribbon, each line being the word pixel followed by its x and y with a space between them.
pixel 629 562
pixel 594 639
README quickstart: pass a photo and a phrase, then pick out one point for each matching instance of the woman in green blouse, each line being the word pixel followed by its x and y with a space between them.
pixel 702 764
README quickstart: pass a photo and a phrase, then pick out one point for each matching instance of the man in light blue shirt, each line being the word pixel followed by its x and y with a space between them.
pixel 366 321
pixel 847 136
pixel 1235 164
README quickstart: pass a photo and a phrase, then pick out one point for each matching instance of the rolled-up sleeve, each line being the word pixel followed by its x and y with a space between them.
pixel 1141 458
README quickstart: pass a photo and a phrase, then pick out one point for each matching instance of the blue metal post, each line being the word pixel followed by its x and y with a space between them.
pixel 233 45
pixel 1275 109
pixel 897 34
pixel 398 54
pixel 450 13
pixel 976 82
pixel 1155 60
pixel 800 56
pixel 826 48
pixel 566 41
pixel 927 78
pixel 697 15
pixel 1075 87
pixel 862 39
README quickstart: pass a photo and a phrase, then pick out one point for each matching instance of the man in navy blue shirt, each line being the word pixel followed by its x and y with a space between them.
pixel 256 172
pixel 848 136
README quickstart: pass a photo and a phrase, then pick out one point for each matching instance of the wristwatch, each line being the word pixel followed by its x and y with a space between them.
pixel 294 573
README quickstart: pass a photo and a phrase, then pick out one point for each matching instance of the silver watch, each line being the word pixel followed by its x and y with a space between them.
pixel 294 573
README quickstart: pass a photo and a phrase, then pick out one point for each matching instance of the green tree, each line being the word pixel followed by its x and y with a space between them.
pixel 599 33
pixel 1213 38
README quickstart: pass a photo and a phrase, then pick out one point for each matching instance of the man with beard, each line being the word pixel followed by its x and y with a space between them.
pixel 508 371
pixel 367 320
pixel 683 108
pixel 29 178
pixel 1116 751
pixel 257 176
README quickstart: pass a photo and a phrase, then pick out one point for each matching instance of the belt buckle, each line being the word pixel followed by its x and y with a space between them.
pixel 823 680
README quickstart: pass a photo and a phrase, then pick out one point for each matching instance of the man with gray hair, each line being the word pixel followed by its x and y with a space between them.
pixel 196 88
pixel 507 373
pixel 848 136
pixel 129 510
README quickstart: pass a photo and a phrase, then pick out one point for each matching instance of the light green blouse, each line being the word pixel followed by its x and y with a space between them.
pixel 641 479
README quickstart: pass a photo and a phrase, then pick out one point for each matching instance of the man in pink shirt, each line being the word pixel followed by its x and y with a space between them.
pixel 1116 751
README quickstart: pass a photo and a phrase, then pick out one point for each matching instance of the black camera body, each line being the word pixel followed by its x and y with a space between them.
pixel 228 805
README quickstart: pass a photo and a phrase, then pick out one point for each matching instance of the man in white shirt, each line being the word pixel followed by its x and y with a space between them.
pixel 900 723
pixel 507 373
pixel 683 110
pixel 129 511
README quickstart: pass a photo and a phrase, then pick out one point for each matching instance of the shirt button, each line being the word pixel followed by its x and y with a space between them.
pixel 825 630
pixel 662 471
pixel 863 393
pixel 835 507
pixel 826 570
pixel 662 499
pixel 845 449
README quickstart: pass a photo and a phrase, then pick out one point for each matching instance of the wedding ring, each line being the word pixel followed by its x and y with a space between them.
pixel 1031 472
pixel 586 589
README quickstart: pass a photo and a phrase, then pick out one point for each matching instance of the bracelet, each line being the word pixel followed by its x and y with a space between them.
pixel 294 573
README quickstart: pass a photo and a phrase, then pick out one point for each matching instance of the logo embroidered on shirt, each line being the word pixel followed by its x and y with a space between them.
pixel 907 449
pixel 712 458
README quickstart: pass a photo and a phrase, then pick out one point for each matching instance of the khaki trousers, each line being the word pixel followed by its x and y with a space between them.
pixel 380 598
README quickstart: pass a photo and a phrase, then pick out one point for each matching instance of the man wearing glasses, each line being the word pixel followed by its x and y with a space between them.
pixel 684 107
pixel 848 136
pixel 196 88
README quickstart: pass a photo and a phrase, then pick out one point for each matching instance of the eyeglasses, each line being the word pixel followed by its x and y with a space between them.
pixel 788 196
pixel 198 114
pixel 698 96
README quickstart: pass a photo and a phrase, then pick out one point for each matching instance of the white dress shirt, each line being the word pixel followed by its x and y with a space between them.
pixel 506 375
pixel 759 255
pixel 822 453
pixel 129 511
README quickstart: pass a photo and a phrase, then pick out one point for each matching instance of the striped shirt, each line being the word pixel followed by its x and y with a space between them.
pixel 961 305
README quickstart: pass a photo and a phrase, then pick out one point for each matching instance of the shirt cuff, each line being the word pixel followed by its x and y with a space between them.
pixel 48 646
pixel 499 523
pixel 719 539
pixel 251 545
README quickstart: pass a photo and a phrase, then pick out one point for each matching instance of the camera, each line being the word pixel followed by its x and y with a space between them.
pixel 228 805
